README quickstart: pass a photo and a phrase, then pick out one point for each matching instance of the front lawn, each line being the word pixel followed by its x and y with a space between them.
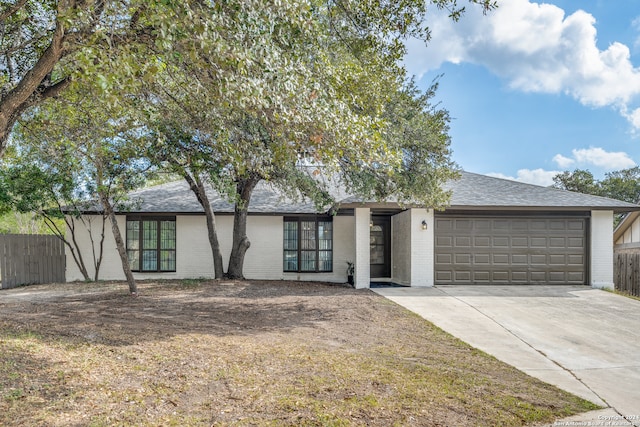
pixel 206 353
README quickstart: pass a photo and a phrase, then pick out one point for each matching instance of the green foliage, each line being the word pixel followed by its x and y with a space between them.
pixel 620 185
pixel 25 223
pixel 581 181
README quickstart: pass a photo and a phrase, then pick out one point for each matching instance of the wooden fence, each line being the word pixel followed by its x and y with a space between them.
pixel 626 273
pixel 27 259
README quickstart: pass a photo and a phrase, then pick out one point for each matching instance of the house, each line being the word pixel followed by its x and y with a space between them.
pixel 626 236
pixel 495 231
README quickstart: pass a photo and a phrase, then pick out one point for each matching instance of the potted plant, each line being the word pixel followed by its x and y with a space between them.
pixel 351 268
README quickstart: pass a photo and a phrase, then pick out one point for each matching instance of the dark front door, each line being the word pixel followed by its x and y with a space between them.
pixel 380 244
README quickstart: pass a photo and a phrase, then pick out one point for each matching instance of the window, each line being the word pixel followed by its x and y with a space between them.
pixel 308 244
pixel 151 243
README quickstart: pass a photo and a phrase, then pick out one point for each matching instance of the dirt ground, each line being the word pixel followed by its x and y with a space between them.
pixel 211 353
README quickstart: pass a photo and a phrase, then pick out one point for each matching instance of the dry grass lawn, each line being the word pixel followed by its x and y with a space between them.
pixel 207 353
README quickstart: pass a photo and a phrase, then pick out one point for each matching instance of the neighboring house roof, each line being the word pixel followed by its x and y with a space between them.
pixel 622 227
pixel 471 192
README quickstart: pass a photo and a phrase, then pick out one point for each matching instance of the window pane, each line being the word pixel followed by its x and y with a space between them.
pixel 167 235
pixel 149 234
pixel 308 237
pixel 134 259
pixel 290 235
pixel 290 261
pixel 325 235
pixel 308 260
pixel 167 260
pixel 149 260
pixel 133 235
pixel 325 261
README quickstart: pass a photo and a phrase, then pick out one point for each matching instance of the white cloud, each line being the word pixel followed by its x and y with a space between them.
pixel 562 161
pixel 536 48
pixel 536 176
pixel 596 156
pixel 604 159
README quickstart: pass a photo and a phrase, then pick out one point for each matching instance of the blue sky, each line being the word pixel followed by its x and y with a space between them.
pixel 538 88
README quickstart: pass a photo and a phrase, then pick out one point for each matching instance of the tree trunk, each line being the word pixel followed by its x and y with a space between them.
pixel 198 188
pixel 241 242
pixel 108 209
pixel 74 249
pixel 30 89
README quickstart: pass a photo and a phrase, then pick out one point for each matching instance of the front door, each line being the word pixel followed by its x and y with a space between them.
pixel 380 246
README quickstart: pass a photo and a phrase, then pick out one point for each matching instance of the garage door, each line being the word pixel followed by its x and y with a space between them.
pixel 513 250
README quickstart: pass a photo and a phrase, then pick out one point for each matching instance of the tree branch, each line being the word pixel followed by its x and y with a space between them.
pixel 11 10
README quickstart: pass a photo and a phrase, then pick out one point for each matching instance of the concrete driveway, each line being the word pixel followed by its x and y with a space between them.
pixel 583 340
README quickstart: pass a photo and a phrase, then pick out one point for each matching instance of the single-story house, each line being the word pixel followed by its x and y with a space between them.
pixel 495 231
pixel 626 236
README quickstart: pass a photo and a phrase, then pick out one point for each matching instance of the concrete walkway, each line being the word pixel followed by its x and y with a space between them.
pixel 583 340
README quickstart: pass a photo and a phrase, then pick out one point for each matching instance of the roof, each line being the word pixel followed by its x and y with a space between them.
pixel 471 192
pixel 485 192
pixel 626 222
pixel 177 197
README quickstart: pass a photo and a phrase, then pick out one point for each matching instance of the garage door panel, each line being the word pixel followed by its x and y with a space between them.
pixel 482 241
pixel 462 241
pixel 519 242
pixel 481 276
pixel 482 259
pixel 575 242
pixel 444 259
pixel 462 259
pixel 575 259
pixel 500 242
pixel 500 259
pixel 462 276
pixel 444 242
pixel 444 276
pixel 539 259
pixel 511 250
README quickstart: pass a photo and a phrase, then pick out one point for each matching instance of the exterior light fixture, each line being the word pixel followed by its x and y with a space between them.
pixel 424 224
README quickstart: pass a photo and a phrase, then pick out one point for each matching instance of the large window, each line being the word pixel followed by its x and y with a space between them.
pixel 308 244
pixel 151 243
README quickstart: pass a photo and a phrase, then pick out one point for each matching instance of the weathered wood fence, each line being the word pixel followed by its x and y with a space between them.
pixel 626 273
pixel 27 259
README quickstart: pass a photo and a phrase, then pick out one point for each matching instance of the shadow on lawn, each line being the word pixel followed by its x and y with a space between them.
pixel 112 317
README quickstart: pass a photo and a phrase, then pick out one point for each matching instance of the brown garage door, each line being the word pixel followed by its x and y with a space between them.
pixel 512 250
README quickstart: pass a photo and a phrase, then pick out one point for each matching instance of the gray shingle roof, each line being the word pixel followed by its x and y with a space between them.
pixel 472 191
pixel 481 191
pixel 176 197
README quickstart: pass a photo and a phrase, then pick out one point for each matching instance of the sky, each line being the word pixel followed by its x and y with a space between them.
pixel 534 89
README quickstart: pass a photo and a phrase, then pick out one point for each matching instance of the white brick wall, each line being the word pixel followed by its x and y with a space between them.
pixel 422 245
pixel 263 260
pixel 602 249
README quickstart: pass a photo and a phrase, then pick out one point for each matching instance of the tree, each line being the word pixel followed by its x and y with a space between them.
pixel 318 86
pixel 622 185
pixel 175 149
pixel 46 189
pixel 98 148
pixel 581 181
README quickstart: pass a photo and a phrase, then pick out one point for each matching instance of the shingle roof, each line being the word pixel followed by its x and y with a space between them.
pixel 471 191
pixel 176 197
pixel 481 191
